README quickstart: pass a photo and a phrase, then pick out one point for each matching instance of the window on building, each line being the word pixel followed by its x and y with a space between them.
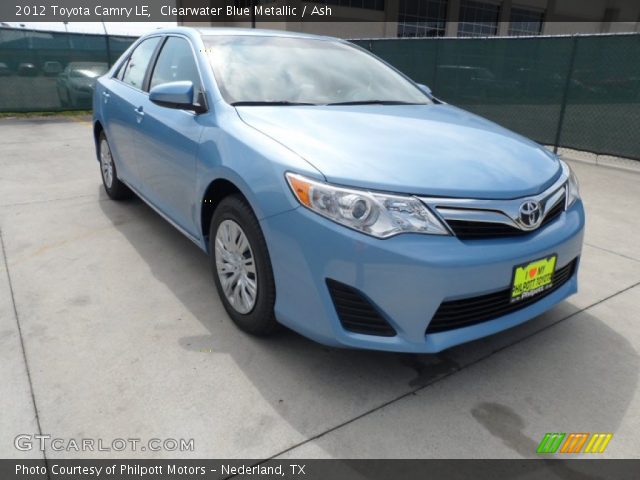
pixel 478 19
pixel 525 22
pixel 369 4
pixel 422 18
pixel 249 3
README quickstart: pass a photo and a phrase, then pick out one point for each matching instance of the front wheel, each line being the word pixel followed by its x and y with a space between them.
pixel 114 187
pixel 72 99
pixel 64 100
pixel 241 267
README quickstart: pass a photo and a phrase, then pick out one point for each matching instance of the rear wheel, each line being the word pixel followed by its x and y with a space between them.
pixel 114 187
pixel 241 267
pixel 72 100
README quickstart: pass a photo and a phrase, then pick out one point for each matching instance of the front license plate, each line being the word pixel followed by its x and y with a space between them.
pixel 532 278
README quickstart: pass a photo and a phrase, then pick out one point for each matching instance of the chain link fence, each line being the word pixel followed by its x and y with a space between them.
pixel 580 92
pixel 52 71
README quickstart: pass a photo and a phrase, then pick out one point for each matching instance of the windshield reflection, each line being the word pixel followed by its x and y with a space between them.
pixel 264 69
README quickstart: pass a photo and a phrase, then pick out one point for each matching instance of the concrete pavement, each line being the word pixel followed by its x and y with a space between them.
pixel 110 327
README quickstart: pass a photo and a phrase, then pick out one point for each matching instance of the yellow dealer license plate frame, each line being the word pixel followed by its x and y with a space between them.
pixel 532 278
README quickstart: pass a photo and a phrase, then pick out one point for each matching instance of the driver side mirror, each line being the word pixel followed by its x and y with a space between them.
pixel 425 89
pixel 179 95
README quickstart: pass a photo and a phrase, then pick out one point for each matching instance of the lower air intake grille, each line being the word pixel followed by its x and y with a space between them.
pixel 356 313
pixel 470 311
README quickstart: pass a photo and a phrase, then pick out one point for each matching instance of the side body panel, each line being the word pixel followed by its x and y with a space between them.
pixel 167 143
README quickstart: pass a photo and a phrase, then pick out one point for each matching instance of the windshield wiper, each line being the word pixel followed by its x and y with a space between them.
pixel 252 103
pixel 375 102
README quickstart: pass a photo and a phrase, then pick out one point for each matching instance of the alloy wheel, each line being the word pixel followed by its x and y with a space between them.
pixel 235 265
pixel 106 163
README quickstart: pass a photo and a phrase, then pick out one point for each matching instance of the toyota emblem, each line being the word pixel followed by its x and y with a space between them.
pixel 530 214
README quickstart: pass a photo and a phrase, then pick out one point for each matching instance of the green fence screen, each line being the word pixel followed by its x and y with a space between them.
pixel 580 92
pixel 50 71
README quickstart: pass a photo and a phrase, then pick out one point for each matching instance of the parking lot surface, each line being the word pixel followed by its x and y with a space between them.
pixel 110 327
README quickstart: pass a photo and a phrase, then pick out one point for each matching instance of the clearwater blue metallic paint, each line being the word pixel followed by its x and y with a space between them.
pixel 407 276
pixel 170 157
pixel 436 150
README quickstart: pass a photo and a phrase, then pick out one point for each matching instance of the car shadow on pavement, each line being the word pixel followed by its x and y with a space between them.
pixel 576 376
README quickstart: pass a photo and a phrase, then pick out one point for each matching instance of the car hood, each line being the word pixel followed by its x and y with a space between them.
pixel 419 149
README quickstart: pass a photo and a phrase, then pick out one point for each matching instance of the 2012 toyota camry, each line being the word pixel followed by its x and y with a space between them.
pixel 333 194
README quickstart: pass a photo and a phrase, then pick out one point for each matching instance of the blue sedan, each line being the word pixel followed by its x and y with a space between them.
pixel 334 195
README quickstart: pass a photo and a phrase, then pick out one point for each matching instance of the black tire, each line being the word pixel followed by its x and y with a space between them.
pixel 260 320
pixel 64 101
pixel 114 188
pixel 72 102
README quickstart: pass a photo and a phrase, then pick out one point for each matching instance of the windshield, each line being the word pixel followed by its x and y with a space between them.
pixel 281 70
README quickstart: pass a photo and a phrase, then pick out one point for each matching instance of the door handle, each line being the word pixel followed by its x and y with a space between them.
pixel 106 96
pixel 139 113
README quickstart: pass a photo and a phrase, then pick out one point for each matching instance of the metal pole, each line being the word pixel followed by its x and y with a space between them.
pixel 106 39
pixel 434 85
pixel 253 14
pixel 567 85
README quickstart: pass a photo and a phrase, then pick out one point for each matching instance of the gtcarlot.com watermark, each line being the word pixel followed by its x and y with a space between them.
pixel 44 442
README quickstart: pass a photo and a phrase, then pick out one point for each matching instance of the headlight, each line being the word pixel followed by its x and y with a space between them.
pixel 573 188
pixel 376 214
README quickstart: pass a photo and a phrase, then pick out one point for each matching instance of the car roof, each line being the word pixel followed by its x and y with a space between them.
pixel 466 67
pixel 87 64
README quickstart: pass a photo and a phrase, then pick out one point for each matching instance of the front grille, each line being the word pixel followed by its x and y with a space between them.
pixel 356 313
pixel 469 230
pixel 470 311
pixel 554 212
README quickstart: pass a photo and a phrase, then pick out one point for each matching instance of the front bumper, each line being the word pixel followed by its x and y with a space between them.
pixel 406 277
